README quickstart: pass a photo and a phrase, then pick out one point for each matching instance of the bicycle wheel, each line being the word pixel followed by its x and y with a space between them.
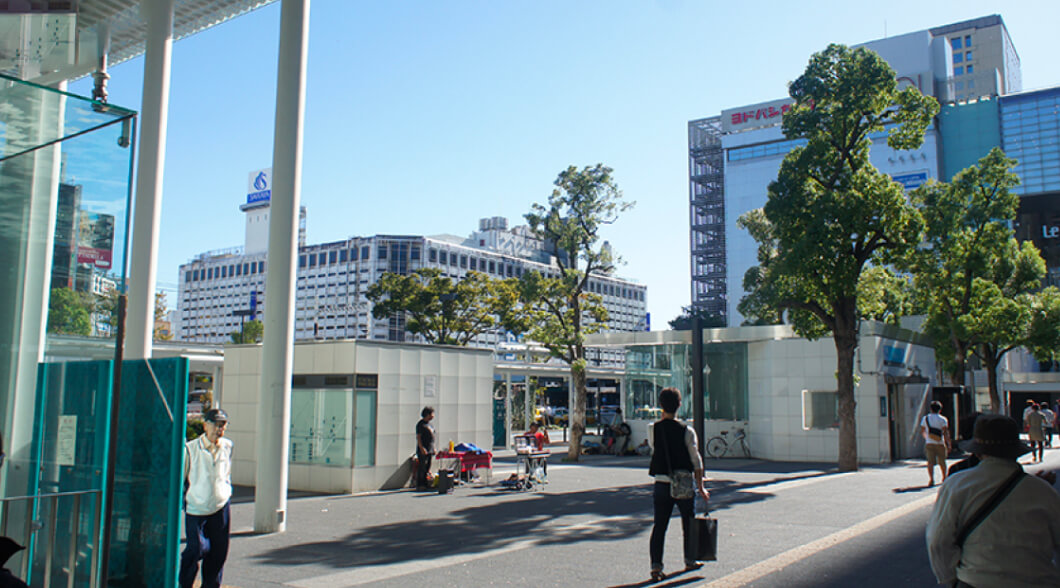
pixel 717 447
pixel 746 448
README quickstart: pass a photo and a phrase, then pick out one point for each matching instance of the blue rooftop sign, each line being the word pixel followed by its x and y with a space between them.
pixel 259 186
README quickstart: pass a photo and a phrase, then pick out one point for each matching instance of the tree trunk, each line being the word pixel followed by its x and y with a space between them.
pixel 991 375
pixel 845 337
pixel 576 414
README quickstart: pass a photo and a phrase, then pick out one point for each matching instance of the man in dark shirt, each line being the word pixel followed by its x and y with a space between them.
pixel 424 446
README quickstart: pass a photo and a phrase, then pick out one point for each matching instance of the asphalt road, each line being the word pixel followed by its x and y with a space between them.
pixel 781 524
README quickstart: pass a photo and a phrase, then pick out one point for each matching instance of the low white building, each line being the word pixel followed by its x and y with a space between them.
pixel 781 389
pixel 354 409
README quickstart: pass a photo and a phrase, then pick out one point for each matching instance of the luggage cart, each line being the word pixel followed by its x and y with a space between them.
pixel 531 467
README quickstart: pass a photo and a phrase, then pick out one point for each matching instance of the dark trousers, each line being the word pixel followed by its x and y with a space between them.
pixel 424 467
pixel 664 508
pixel 207 541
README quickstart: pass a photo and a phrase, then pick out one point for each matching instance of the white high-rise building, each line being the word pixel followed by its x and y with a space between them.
pixel 219 290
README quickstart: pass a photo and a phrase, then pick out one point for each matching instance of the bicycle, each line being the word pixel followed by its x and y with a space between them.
pixel 719 446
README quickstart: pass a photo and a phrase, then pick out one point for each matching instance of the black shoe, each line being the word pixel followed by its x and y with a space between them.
pixel 657 576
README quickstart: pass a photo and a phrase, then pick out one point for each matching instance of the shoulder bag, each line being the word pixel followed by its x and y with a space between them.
pixel 682 485
pixel 988 507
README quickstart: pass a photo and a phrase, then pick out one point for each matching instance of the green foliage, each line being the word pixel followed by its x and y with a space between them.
pixel 159 333
pixel 70 312
pixel 980 283
pixel 446 311
pixel 560 308
pixel 683 322
pixel 831 214
pixel 194 429
pixel 251 332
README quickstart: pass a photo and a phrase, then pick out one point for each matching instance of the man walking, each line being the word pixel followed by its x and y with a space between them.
pixel 993 525
pixel 208 483
pixel 424 446
pixel 936 431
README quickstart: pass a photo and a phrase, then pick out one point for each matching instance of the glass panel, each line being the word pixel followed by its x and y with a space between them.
pixel 364 429
pixel 147 491
pixel 320 426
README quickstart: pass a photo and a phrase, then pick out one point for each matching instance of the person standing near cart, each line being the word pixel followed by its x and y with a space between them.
pixel 424 446
pixel 675 449
pixel 208 483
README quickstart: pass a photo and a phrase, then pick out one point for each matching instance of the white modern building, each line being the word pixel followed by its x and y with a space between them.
pixel 218 290
pixel 733 157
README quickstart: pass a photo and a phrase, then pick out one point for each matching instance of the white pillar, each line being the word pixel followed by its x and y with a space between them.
pixel 274 410
pixel 143 267
pixel 507 410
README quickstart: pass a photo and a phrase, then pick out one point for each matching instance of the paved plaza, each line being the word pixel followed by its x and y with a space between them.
pixel 781 524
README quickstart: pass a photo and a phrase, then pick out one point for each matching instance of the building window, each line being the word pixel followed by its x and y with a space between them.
pixel 333 256
pixel 474 263
pixel 301 261
pixel 312 260
pixel 414 253
pixel 343 255
pixel 261 267
pixel 365 253
pixel 969 69
pixel 463 261
pixel 209 273
pixel 820 409
pixel 492 268
pixel 955 43
pixel 967 55
pixel 958 57
pixel 967 40
pixel 958 71
pixel 432 255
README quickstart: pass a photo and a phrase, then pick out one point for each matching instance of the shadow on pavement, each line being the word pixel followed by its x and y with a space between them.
pixel 669 580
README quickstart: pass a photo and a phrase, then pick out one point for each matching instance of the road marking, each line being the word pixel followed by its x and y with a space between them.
pixel 782 560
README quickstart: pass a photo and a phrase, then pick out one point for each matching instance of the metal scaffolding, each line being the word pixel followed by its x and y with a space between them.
pixel 706 174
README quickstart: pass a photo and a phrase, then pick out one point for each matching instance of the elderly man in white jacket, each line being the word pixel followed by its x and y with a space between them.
pixel 993 525
pixel 207 521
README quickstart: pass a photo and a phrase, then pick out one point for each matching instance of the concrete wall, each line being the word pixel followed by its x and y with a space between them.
pixel 462 381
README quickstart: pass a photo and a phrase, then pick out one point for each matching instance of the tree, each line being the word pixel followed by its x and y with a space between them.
pixel 830 213
pixel 562 311
pixel 160 332
pixel 69 313
pixel 683 322
pixel 249 332
pixel 446 311
pixel 980 282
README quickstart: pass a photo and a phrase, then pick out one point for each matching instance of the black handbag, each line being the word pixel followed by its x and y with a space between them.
pixel 705 531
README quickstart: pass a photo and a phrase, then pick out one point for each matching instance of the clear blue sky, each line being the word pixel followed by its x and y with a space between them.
pixel 423 117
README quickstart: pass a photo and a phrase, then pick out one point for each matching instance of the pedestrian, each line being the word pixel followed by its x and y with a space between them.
pixel 675 453
pixel 1050 423
pixel 1015 544
pixel 539 435
pixel 1035 424
pixel 424 446
pixel 1027 412
pixel 936 431
pixel 8 548
pixel 207 520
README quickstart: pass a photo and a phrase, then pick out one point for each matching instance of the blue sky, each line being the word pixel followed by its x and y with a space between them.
pixel 423 117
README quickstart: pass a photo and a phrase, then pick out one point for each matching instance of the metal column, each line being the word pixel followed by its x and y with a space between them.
pixel 274 409
pixel 143 268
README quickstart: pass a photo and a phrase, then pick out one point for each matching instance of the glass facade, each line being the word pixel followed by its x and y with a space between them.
pixel 333 420
pixel 650 368
pixel 1030 133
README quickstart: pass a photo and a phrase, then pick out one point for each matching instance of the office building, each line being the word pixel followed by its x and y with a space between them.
pixel 219 290
pixel 733 157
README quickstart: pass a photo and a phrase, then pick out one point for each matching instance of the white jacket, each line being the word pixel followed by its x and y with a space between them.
pixel 208 474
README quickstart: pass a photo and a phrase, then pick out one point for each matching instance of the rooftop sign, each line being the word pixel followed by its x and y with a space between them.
pixel 764 114
pixel 259 186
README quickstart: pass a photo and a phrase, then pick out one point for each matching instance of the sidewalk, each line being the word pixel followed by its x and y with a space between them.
pixel 589 526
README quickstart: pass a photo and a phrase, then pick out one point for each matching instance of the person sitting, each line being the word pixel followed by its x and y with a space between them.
pixel 539 435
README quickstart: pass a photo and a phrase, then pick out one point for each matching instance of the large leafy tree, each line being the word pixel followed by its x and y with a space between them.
pixel 980 283
pixel 69 312
pixel 830 213
pixel 561 308
pixel 447 311
pixel 250 332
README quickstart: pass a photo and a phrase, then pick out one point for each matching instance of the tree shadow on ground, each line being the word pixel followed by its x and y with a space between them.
pixel 534 517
